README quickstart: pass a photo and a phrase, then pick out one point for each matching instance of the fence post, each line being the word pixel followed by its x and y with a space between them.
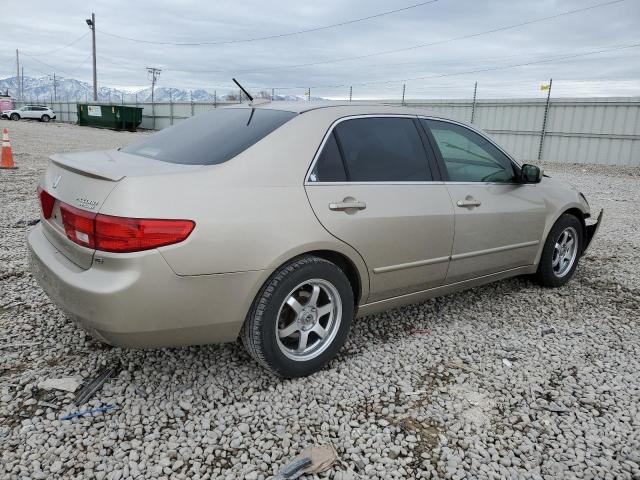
pixel 473 105
pixel 191 97
pixel 215 99
pixel 122 111
pixel 240 96
pixel 403 90
pixel 170 107
pixel 273 96
pixel 543 132
pixel 153 112
pixel 350 93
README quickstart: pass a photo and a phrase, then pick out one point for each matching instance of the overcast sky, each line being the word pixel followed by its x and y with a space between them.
pixel 38 27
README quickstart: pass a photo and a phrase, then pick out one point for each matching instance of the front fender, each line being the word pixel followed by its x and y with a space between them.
pixel 560 198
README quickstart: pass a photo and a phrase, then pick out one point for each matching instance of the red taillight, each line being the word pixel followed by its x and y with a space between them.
pixel 115 234
pixel 79 225
pixel 119 234
pixel 46 202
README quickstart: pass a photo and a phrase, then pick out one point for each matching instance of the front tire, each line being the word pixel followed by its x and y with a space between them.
pixel 45 118
pixel 15 116
pixel 561 252
pixel 300 318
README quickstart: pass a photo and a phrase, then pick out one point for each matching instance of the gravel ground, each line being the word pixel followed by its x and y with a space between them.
pixel 504 381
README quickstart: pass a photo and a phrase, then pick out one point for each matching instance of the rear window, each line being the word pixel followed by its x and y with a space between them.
pixel 211 138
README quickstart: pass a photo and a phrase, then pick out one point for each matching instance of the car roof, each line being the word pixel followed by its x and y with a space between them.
pixel 345 107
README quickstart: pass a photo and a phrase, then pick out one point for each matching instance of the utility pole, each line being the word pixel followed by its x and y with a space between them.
pixel 18 85
pixel 92 25
pixel 22 82
pixel 154 73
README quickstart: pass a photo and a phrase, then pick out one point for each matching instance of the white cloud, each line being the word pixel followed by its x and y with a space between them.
pixel 39 26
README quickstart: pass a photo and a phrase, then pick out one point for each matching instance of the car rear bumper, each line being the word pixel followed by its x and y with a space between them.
pixel 136 300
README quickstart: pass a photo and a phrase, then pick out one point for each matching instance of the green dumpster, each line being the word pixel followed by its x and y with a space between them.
pixel 115 117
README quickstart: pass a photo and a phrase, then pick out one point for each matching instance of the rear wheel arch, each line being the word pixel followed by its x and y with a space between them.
pixel 347 266
pixel 341 260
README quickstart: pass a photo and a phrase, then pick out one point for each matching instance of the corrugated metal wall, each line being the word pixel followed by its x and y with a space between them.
pixel 579 130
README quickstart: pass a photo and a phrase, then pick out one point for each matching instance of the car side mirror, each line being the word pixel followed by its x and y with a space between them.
pixel 530 174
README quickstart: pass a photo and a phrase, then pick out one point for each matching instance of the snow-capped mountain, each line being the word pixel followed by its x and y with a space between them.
pixel 42 90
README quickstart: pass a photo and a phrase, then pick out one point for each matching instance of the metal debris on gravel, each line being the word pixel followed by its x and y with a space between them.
pixel 394 404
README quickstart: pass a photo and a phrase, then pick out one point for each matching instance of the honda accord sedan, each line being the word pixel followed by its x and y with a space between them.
pixel 280 223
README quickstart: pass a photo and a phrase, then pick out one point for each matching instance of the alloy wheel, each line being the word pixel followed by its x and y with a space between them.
pixel 308 319
pixel 565 252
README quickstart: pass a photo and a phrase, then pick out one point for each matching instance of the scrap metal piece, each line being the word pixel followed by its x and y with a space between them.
pixel 315 459
pixel 90 389
pixel 294 470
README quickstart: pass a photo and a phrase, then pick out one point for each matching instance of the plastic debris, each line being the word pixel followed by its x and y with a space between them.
pixel 91 411
pixel 507 362
pixel 67 384
pixel 90 389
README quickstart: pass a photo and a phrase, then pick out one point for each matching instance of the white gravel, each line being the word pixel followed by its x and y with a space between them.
pixel 418 392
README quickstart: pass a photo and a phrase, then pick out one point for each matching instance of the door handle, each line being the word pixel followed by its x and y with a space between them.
pixel 348 205
pixel 467 202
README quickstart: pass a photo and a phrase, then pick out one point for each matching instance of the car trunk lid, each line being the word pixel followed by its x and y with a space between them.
pixel 85 180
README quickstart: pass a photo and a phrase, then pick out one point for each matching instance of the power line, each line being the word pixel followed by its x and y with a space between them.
pixel 269 37
pixel 60 48
pixel 422 45
pixel 46 64
pixel 481 70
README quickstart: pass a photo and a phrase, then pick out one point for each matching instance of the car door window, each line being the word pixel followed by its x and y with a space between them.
pixel 329 167
pixel 373 149
pixel 468 156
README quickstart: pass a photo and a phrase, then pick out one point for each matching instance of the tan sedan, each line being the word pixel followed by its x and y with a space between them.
pixel 280 222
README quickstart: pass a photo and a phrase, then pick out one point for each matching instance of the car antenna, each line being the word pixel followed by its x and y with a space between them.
pixel 243 90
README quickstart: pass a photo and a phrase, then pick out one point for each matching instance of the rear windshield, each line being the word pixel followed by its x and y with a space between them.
pixel 211 138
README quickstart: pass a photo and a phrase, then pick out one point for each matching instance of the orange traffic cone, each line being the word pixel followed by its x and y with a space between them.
pixel 7 156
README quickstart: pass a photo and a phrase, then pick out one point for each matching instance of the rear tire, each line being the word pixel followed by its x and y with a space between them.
pixel 561 252
pixel 45 118
pixel 300 318
pixel 15 116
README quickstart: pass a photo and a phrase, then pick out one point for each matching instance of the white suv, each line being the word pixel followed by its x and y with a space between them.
pixel 38 112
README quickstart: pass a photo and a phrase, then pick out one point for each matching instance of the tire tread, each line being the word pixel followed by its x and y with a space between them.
pixel 251 333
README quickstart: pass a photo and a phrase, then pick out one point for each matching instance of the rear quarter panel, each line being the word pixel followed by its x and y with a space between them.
pixel 251 213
